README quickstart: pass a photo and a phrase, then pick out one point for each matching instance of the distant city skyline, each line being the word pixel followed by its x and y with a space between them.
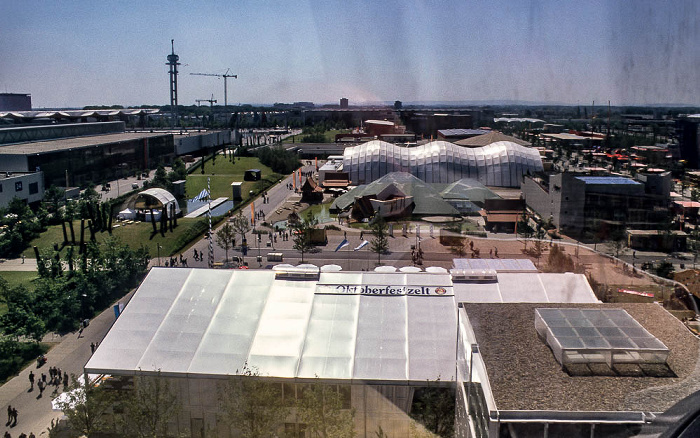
pixel 79 53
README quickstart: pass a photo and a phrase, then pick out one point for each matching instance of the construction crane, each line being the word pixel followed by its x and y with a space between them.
pixel 211 101
pixel 225 76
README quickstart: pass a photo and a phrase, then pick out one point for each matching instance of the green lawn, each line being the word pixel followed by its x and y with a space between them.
pixel 15 278
pixel 330 136
pixel 223 173
pixel 134 235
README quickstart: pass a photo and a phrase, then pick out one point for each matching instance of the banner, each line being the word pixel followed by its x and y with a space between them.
pixel 343 244
pixel 361 245
pixel 396 290
pixel 252 213
pixel 634 292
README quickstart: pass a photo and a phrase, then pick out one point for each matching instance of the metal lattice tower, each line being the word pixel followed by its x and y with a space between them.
pixel 173 63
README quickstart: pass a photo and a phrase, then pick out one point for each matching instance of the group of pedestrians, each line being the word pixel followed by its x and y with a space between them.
pixel 173 262
pixel 12 422
pixel 198 255
pixel 56 377
pixel 259 215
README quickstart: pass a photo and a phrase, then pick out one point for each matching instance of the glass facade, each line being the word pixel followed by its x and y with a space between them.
pixel 500 164
pixel 102 162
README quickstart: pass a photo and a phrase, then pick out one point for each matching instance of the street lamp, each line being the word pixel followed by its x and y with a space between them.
pixel 158 248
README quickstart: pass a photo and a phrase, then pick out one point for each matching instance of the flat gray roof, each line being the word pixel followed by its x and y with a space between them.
pixel 524 374
pixel 40 147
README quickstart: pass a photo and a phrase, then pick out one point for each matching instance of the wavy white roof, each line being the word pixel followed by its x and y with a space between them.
pixel 501 164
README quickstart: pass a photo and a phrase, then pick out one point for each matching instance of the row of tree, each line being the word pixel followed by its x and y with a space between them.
pixel 249 407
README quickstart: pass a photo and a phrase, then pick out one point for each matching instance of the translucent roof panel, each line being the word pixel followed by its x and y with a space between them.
pixel 211 322
pixel 381 353
pixel 598 336
pixel 432 345
pixel 330 338
pixel 501 163
pixel 498 265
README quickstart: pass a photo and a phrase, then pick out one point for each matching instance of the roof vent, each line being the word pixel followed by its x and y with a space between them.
pixel 467 275
pixel 589 336
pixel 289 272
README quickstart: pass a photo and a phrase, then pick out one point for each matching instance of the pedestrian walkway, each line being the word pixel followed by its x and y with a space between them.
pixel 70 353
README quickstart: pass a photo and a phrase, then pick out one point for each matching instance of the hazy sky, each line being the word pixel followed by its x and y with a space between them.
pixel 75 53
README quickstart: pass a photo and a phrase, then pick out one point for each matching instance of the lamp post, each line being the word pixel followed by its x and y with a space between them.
pixel 158 247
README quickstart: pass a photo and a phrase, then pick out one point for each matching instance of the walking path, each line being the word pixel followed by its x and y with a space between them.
pixel 70 352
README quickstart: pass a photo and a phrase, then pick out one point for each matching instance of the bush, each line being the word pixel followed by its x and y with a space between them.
pixel 14 355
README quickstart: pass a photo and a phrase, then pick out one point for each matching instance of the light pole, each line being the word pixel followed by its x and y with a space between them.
pixel 158 247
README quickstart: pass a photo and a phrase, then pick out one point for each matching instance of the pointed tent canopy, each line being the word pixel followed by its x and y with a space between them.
pixel 427 200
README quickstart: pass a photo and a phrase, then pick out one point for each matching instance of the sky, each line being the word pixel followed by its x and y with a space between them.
pixel 77 53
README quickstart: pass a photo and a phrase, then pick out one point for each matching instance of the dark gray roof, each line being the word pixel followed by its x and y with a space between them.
pixel 524 375
pixel 427 200
pixel 40 147
pixel 468 189
pixel 491 137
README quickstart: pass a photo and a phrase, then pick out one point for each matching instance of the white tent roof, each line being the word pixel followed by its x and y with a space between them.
pixel 343 326
pixel 388 327
pixel 163 196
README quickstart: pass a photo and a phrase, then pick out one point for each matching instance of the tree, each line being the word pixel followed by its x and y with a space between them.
pixel 380 238
pixel 301 232
pixel 225 237
pixel 321 408
pixel 665 269
pixel 617 241
pixel 149 408
pixel 87 407
pixel 240 224
pixel 19 321
pixel 434 407
pixel 250 406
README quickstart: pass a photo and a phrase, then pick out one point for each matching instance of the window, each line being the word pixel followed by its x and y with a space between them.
pixel 18 186
pixel 33 188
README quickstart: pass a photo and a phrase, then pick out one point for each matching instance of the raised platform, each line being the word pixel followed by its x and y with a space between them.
pixel 202 210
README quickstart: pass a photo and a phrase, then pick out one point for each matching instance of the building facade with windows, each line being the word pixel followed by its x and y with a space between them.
pixel 28 187
pixel 580 204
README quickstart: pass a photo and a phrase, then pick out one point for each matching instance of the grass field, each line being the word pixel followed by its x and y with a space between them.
pixel 134 235
pixel 141 233
pixel 224 172
pixel 15 278
pixel 329 136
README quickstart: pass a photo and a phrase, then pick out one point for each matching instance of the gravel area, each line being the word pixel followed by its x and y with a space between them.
pixel 524 374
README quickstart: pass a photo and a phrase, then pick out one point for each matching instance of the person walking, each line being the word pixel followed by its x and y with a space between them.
pixel 31 435
pixel 14 417
pixel 7 435
pixel 9 415
pixel 65 379
pixel 41 386
pixel 31 380
pixel 92 347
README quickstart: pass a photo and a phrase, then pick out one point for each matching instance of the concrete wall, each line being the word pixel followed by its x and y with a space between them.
pixel 538 199
pixel 195 142
pixel 568 199
pixel 18 186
